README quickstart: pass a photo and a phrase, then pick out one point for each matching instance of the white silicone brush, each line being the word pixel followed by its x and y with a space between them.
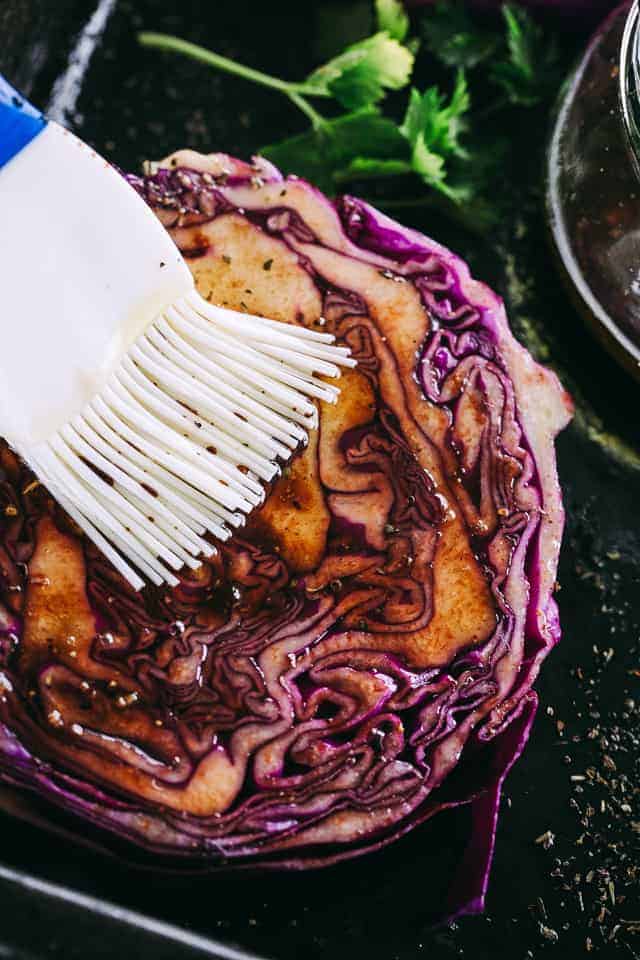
pixel 151 415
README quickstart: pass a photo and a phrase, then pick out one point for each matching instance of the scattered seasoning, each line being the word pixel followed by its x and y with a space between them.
pixel 226 258
pixel 267 264
pixel 546 839
pixel 55 718
pixel 593 867
pixel 39 581
pixel 548 933
pixel 600 864
pixel 126 700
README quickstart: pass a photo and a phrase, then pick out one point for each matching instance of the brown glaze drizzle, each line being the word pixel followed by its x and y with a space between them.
pixel 321 651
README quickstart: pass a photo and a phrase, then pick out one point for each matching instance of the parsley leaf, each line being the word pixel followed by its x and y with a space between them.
pixel 433 128
pixel 361 167
pixel 392 18
pixel 458 152
pixel 360 75
pixel 365 144
pixel 452 35
pixel 530 70
pixel 343 147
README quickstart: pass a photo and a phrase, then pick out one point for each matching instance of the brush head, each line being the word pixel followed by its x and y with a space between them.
pixel 195 419
pixel 156 418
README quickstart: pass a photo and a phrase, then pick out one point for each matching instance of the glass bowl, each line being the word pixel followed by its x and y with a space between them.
pixel 593 185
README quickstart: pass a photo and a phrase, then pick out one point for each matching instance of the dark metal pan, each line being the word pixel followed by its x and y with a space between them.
pixel 60 898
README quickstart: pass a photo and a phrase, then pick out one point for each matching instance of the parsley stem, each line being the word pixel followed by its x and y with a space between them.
pixel 294 91
pixel 164 41
pixel 317 120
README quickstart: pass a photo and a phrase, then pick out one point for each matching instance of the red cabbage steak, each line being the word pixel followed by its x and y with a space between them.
pixel 362 654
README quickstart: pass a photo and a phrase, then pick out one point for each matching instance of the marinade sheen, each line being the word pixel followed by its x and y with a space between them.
pixel 307 694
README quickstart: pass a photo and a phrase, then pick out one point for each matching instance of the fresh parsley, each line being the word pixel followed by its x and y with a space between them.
pixel 392 18
pixel 521 58
pixel 363 142
pixel 361 75
pixel 453 36
pixel 529 71
pixel 432 127
pixel 440 137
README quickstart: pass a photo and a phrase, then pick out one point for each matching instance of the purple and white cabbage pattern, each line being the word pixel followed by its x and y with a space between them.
pixel 362 654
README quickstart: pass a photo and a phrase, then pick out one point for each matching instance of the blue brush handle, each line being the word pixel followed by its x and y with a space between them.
pixel 19 122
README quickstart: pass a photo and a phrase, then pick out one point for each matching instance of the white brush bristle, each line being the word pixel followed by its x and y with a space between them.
pixel 196 417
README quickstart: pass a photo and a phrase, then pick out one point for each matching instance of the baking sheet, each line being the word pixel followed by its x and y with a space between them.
pixel 134 105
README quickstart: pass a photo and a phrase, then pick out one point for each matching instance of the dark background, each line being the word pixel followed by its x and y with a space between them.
pixel 578 894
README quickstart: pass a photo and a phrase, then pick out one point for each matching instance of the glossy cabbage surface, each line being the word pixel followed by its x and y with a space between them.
pixel 362 654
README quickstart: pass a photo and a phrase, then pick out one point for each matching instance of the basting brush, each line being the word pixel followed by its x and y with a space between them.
pixel 152 416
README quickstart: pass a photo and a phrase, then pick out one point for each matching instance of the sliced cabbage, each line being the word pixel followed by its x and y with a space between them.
pixel 362 654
